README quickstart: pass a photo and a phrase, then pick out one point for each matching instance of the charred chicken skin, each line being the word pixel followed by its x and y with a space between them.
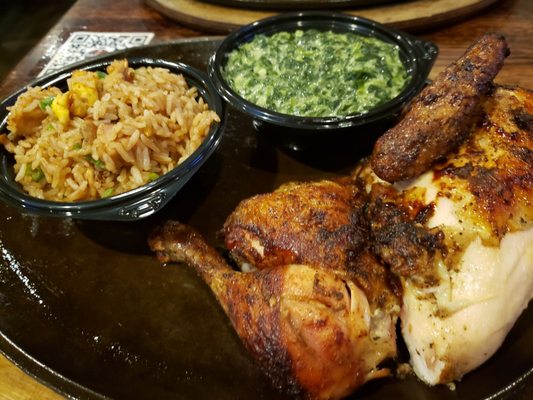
pixel 315 223
pixel 311 329
pixel 442 115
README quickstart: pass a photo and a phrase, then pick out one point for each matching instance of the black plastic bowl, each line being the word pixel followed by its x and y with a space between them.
pixel 298 132
pixel 134 204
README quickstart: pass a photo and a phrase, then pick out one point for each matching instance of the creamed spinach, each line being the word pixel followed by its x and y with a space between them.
pixel 316 74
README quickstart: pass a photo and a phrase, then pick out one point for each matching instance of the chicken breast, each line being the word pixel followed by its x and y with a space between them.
pixel 456 326
pixel 461 238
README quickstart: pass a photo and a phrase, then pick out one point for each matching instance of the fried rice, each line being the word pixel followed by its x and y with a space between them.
pixel 109 133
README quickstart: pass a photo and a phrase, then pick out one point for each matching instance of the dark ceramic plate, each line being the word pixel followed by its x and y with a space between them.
pixel 298 4
pixel 86 308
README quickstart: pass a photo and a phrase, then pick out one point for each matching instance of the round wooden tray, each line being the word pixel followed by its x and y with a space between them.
pixel 278 5
pixel 405 15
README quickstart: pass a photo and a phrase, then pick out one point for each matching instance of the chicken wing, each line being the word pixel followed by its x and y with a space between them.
pixel 311 329
pixel 442 115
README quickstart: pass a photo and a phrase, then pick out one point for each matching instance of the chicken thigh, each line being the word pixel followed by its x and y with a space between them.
pixel 320 224
pixel 315 223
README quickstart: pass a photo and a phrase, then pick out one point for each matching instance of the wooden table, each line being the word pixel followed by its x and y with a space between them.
pixel 514 18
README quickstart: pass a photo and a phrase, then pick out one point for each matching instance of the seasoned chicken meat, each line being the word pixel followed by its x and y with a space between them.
pixel 311 329
pixel 442 115
pixel 461 238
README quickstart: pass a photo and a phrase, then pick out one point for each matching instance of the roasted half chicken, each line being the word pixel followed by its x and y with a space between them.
pixel 460 237
pixel 311 329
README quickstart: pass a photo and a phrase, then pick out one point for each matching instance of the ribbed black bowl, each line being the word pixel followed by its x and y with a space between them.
pixel 302 132
pixel 134 204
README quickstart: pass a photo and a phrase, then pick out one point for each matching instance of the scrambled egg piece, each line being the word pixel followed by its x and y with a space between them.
pixel 82 94
pixel 83 87
pixel 24 119
pixel 60 108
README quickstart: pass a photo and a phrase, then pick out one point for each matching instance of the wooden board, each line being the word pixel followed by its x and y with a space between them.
pixel 15 385
pixel 406 15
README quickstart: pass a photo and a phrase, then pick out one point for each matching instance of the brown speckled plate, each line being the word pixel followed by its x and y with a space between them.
pixel 86 308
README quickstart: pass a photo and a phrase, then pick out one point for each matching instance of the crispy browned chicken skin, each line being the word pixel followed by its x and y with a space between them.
pixel 442 115
pixel 316 223
pixel 310 329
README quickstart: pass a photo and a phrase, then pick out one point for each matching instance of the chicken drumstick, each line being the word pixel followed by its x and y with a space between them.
pixel 310 329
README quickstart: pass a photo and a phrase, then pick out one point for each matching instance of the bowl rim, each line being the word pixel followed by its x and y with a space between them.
pixel 111 208
pixel 420 56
